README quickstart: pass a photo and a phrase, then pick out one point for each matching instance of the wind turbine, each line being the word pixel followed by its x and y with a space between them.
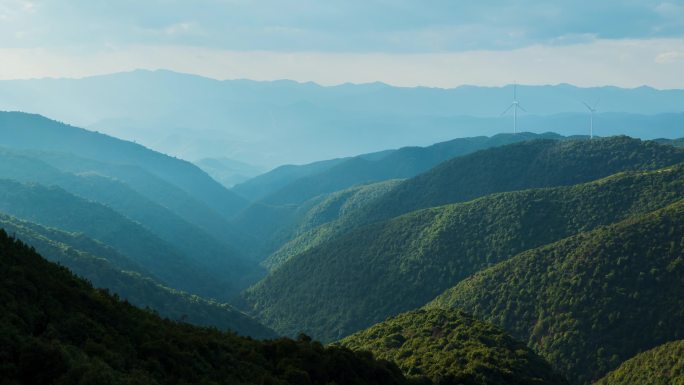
pixel 515 105
pixel 591 118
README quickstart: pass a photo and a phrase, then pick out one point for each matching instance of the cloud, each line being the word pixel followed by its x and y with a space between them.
pixel 669 57
pixel 399 26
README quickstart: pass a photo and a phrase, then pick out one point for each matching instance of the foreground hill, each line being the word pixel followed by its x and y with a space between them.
pixel 591 301
pixel 55 328
pixel 663 365
pixel 106 268
pixel 357 279
pixel 541 163
pixel 451 347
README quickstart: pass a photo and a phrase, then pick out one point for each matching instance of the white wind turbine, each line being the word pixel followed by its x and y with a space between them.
pixel 592 110
pixel 515 105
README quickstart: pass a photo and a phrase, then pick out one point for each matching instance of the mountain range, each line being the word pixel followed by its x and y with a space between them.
pixel 268 124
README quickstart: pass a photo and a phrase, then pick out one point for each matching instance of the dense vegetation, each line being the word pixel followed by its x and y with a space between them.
pixel 331 215
pixel 451 347
pixel 403 163
pixel 663 365
pixel 352 281
pixel 186 238
pixel 591 301
pixel 271 219
pixel 57 329
pixel 54 207
pixel 540 163
pixel 106 268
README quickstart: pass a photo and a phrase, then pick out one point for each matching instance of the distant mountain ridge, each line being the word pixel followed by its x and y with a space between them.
pixel 279 122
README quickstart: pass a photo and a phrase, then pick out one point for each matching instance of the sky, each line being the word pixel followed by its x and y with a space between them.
pixel 436 43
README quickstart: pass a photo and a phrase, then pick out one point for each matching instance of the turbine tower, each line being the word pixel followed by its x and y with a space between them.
pixel 592 110
pixel 515 105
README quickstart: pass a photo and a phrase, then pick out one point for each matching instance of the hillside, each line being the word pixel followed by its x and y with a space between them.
pixel 54 207
pixel 104 267
pixel 541 163
pixel 449 346
pixel 142 182
pixel 399 164
pixel 330 216
pixel 265 184
pixel 271 219
pixel 204 249
pixel 663 365
pixel 276 227
pixel 34 132
pixel 591 301
pixel 55 328
pixel 359 278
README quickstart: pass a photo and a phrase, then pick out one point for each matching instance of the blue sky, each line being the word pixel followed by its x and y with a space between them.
pixel 404 42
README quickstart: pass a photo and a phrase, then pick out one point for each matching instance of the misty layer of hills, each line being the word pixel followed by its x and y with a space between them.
pixel 503 259
pixel 268 124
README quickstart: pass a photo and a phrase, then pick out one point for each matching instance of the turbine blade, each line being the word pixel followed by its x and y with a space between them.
pixel 588 106
pixel 507 109
pixel 521 107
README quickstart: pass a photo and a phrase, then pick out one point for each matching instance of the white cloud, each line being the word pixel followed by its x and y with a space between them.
pixel 669 57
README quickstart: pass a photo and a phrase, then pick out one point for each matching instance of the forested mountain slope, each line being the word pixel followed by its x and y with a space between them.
pixel 271 219
pixel 204 249
pixel 662 365
pixel 54 207
pixel 269 182
pixel 591 301
pixel 399 164
pixel 273 227
pixel 357 279
pixel 464 178
pixel 332 215
pixel 55 328
pixel 142 182
pixel 451 347
pixel 541 163
pixel 106 268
